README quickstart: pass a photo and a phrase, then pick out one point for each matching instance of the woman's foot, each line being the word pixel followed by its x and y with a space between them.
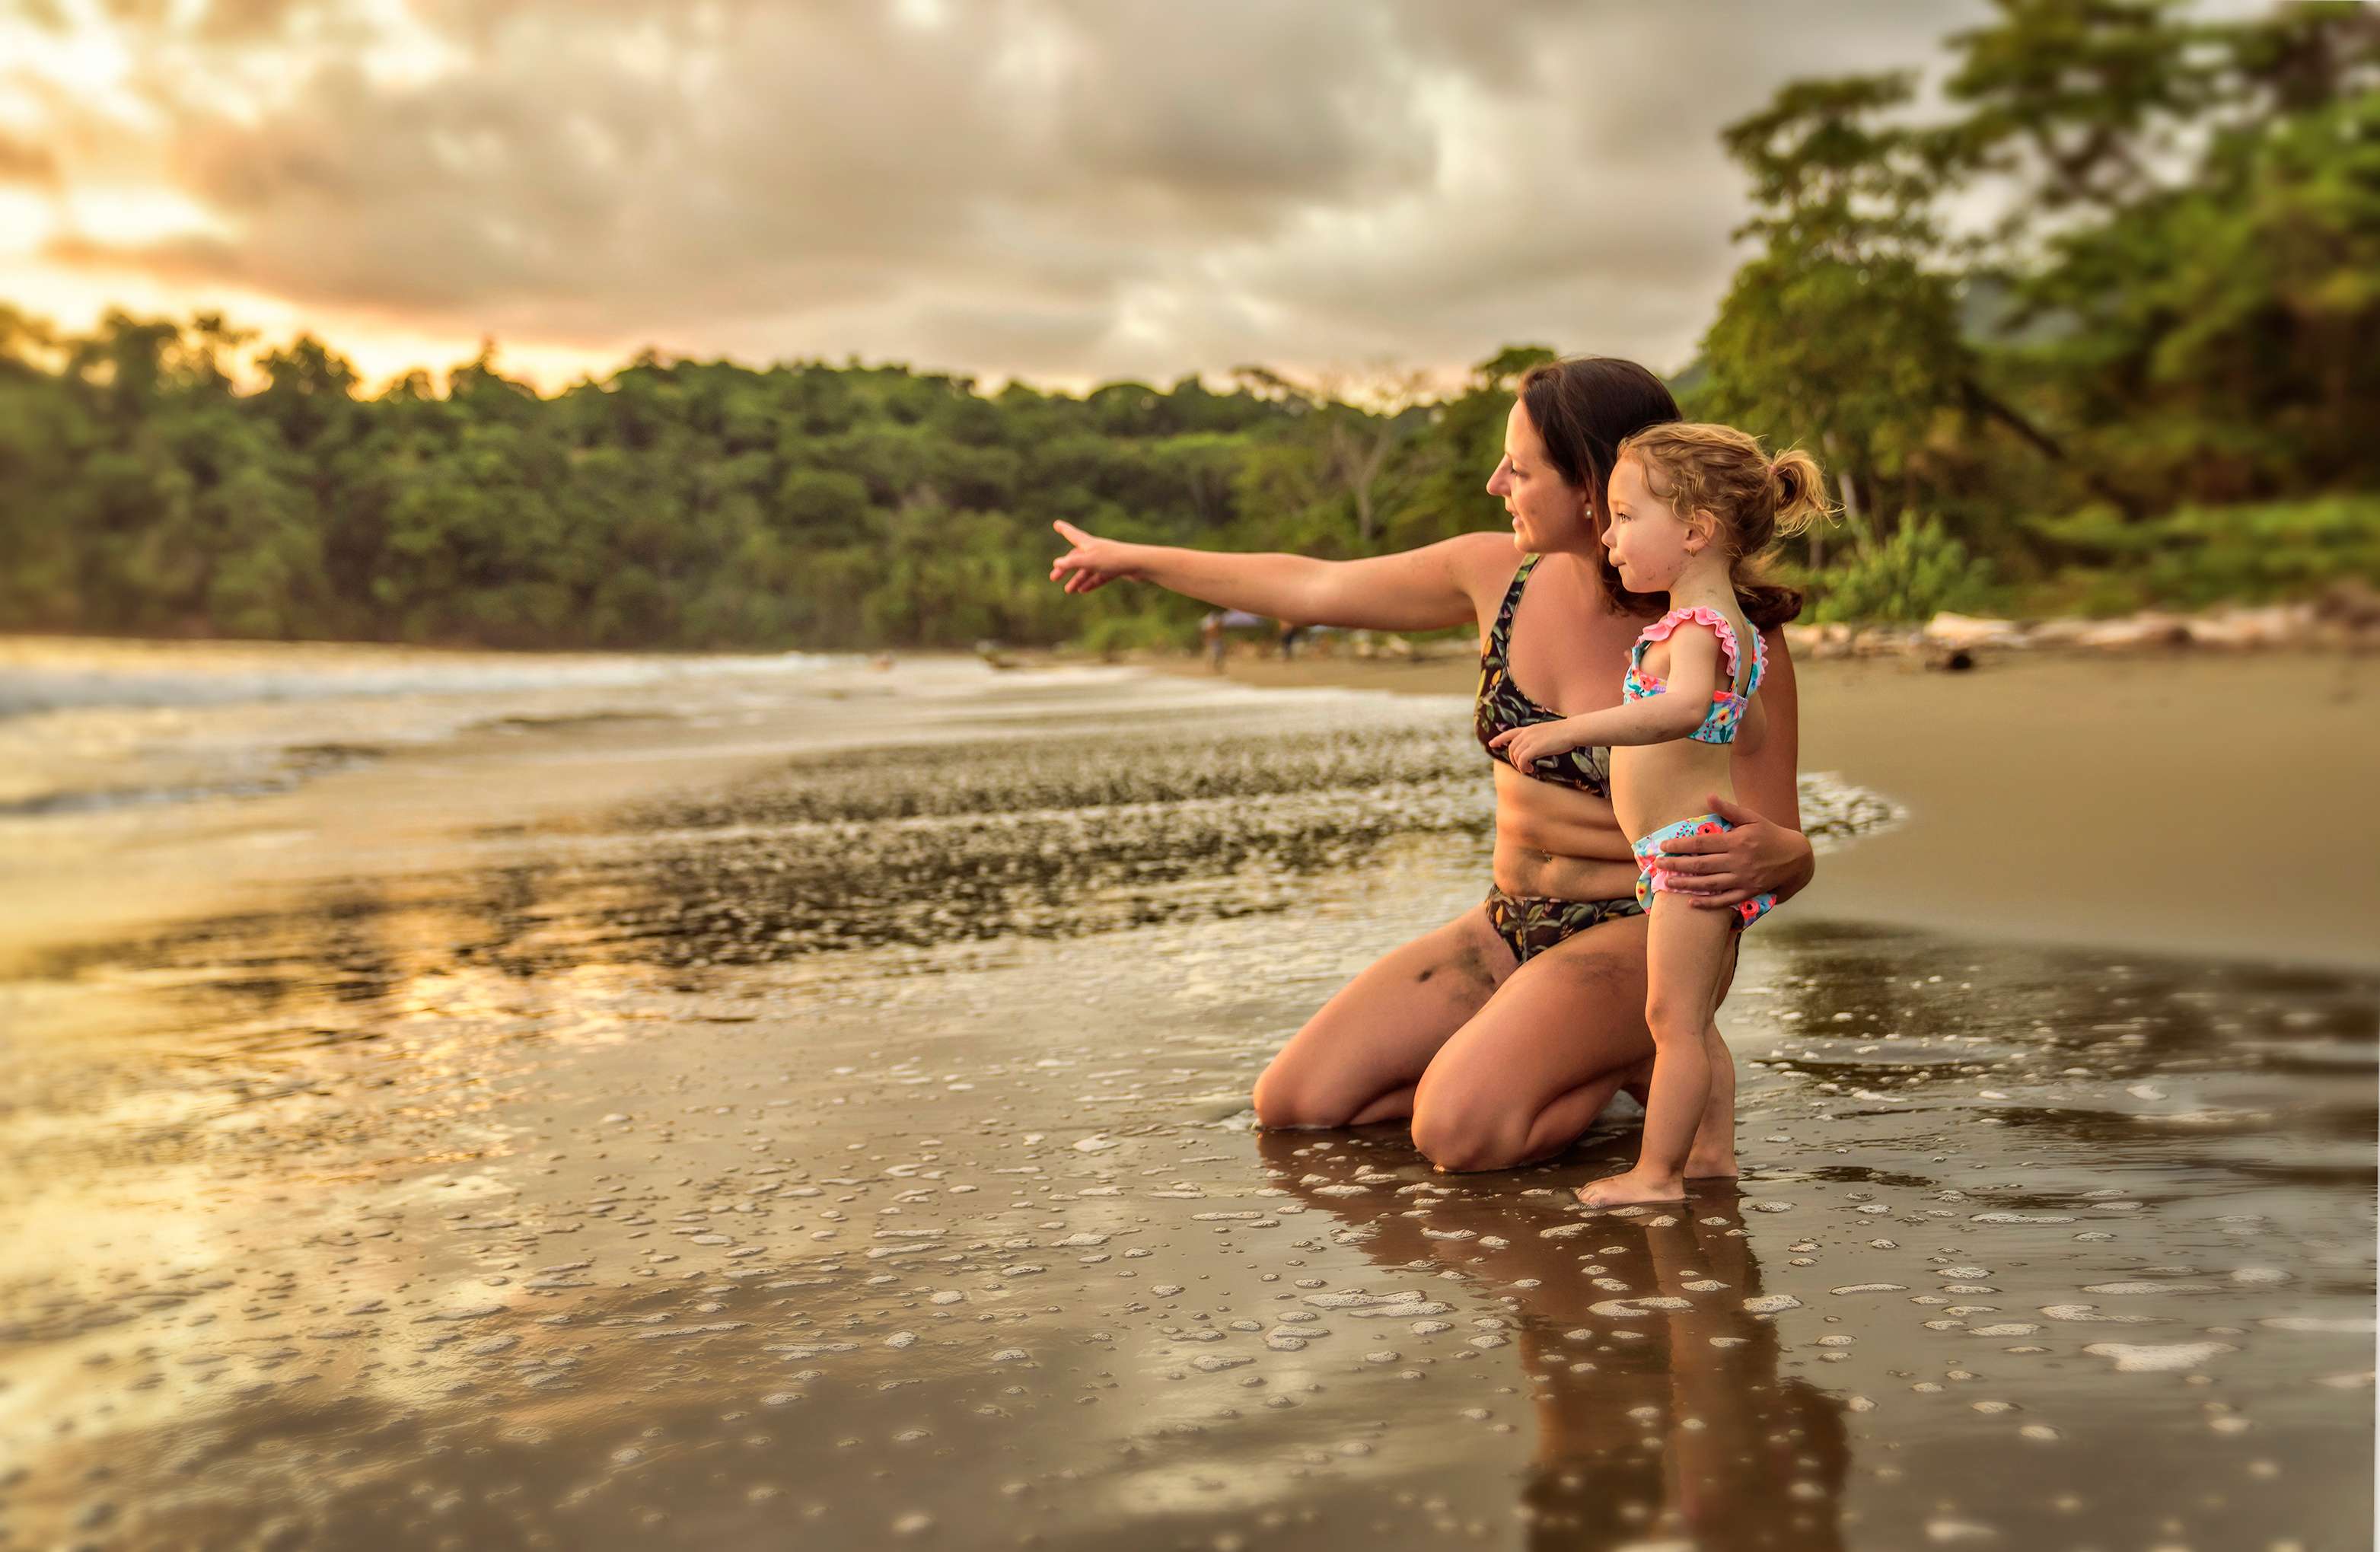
pixel 1631 1189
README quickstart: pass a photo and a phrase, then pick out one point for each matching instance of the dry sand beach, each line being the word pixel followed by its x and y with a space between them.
pixel 463 1101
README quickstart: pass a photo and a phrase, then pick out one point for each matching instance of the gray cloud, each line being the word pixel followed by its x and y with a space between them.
pixel 1048 187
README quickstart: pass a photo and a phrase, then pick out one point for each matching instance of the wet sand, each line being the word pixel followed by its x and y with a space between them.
pixel 817 1117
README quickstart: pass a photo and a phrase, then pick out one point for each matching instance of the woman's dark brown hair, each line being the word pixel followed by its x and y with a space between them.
pixel 1584 408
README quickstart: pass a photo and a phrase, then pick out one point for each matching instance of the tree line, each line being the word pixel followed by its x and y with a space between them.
pixel 2150 374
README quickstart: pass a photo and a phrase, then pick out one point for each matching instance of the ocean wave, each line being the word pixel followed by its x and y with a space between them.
pixel 28 689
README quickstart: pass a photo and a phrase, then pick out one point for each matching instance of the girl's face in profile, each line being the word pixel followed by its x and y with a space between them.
pixel 1549 513
pixel 1645 539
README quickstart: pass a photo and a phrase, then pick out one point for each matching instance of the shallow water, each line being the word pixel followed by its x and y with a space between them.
pixel 93 725
pixel 853 1151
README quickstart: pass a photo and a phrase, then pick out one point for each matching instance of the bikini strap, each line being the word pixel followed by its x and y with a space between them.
pixel 1662 628
pixel 1499 635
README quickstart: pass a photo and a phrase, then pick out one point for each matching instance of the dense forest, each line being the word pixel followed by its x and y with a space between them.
pixel 2154 377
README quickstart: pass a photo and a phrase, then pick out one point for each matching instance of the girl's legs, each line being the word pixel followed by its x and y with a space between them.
pixel 1713 1154
pixel 1686 957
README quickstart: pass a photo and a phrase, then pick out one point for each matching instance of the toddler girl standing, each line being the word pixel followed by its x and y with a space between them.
pixel 1692 507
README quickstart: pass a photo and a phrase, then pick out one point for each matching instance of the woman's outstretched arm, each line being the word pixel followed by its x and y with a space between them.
pixel 1429 588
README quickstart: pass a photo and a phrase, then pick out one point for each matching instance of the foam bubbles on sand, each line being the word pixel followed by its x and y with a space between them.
pixel 1946 1532
pixel 1376 1304
pixel 2083 1313
pixel 2166 1359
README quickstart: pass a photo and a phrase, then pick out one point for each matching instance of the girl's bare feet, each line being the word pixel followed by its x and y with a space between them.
pixel 1631 1189
pixel 1713 1154
pixel 1717 1165
pixel 1712 1157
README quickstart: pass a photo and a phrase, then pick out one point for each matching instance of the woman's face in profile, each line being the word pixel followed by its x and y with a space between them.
pixel 1549 513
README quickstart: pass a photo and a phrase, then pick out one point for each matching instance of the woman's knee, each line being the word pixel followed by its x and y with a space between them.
pixel 1283 1101
pixel 1357 1060
pixel 1272 1099
pixel 1459 1133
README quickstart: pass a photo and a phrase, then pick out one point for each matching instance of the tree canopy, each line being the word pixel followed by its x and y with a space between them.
pixel 2174 306
pixel 2160 337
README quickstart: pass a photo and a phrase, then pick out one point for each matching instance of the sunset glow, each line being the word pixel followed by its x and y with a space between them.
pixel 1056 193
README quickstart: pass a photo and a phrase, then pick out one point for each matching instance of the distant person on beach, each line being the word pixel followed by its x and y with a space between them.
pixel 1504 1034
pixel 1692 509
pixel 1214 630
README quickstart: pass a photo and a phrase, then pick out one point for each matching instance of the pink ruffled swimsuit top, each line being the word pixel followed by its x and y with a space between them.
pixel 1726 705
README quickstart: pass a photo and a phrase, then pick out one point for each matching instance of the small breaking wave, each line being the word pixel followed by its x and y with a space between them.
pixel 238 678
pixel 1835 813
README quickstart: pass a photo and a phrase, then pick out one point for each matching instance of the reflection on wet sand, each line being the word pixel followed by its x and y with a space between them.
pixel 1657 1405
pixel 539 1191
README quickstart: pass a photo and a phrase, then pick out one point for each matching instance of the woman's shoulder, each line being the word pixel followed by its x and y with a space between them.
pixel 1483 565
pixel 1483 556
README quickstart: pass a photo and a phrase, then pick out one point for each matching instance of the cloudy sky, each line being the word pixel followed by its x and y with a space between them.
pixel 1061 190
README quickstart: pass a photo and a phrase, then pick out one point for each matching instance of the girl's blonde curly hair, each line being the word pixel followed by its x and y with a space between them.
pixel 1754 498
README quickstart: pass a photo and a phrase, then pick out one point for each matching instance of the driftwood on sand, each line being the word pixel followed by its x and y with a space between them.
pixel 2346 618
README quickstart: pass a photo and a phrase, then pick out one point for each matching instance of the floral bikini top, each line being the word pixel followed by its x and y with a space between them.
pixel 1727 705
pixel 1502 707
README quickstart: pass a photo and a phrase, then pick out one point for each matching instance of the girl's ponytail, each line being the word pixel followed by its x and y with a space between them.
pixel 1797 492
pixel 1797 495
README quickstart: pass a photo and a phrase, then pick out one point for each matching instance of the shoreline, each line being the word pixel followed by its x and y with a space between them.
pixel 2101 799
pixel 2343 618
pixel 2044 793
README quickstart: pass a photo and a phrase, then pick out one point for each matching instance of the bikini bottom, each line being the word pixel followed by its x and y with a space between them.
pixel 1651 877
pixel 1532 924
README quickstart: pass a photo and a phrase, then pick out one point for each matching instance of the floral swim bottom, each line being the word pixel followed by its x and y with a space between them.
pixel 1532 924
pixel 1651 879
